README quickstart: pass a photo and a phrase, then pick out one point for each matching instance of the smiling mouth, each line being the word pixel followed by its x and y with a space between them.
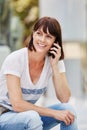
pixel 41 45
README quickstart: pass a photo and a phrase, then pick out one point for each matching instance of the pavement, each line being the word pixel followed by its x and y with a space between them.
pixel 81 109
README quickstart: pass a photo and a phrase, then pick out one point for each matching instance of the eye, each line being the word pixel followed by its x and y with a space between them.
pixel 48 36
pixel 38 32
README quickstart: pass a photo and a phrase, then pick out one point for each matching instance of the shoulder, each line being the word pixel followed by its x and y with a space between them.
pixel 15 58
pixel 16 55
pixel 14 62
pixel 18 52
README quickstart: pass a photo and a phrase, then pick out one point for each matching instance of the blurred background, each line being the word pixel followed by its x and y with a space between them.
pixel 16 21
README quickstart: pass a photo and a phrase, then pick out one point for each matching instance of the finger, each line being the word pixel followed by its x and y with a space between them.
pixel 57 45
pixel 67 120
pixel 58 51
pixel 53 52
pixel 71 117
pixel 54 49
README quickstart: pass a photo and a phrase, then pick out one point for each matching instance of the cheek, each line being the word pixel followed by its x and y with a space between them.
pixel 50 43
pixel 34 38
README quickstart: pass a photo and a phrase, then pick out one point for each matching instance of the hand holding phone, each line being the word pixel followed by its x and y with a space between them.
pixel 51 54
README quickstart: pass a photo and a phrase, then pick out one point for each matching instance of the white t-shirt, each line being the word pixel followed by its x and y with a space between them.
pixel 17 64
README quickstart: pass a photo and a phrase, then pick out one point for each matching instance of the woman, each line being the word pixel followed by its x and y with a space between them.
pixel 24 78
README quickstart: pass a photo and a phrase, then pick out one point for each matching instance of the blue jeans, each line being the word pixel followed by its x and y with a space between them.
pixel 31 120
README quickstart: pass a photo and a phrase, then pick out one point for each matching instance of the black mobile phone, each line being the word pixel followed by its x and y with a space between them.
pixel 50 54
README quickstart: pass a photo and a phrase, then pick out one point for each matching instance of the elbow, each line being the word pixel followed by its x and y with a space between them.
pixel 65 98
pixel 16 107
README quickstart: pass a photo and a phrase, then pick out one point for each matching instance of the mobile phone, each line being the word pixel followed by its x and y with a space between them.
pixel 49 53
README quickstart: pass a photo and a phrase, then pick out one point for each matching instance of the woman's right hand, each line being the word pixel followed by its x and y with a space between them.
pixel 64 115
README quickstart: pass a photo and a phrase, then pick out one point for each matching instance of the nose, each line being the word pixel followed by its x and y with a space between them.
pixel 42 38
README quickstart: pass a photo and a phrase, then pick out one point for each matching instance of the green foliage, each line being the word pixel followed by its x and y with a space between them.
pixel 27 11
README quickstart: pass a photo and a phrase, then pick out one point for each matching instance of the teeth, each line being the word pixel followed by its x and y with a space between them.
pixel 42 45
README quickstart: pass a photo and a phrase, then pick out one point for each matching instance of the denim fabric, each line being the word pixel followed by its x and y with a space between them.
pixel 49 122
pixel 30 120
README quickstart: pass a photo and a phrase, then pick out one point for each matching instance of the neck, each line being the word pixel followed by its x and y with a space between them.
pixel 36 57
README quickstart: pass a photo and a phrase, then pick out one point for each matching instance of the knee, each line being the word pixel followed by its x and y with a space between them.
pixel 33 120
pixel 68 106
pixel 31 115
pixel 64 106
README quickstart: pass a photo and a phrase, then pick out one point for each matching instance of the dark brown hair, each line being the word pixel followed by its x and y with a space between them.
pixel 54 29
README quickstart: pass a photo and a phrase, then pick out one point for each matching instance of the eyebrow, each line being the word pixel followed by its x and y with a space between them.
pixel 47 31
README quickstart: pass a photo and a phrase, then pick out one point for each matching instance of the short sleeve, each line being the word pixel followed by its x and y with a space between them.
pixel 61 66
pixel 12 65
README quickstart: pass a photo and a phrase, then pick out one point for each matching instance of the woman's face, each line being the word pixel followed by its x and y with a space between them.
pixel 42 41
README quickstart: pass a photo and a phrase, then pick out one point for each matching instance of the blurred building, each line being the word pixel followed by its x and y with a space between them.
pixel 4 22
pixel 72 15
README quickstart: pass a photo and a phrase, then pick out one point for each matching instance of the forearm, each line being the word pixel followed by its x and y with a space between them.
pixel 20 106
pixel 61 115
pixel 61 86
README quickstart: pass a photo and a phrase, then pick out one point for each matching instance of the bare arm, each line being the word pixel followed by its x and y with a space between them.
pixel 20 105
pixel 16 99
pixel 61 86
pixel 59 79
